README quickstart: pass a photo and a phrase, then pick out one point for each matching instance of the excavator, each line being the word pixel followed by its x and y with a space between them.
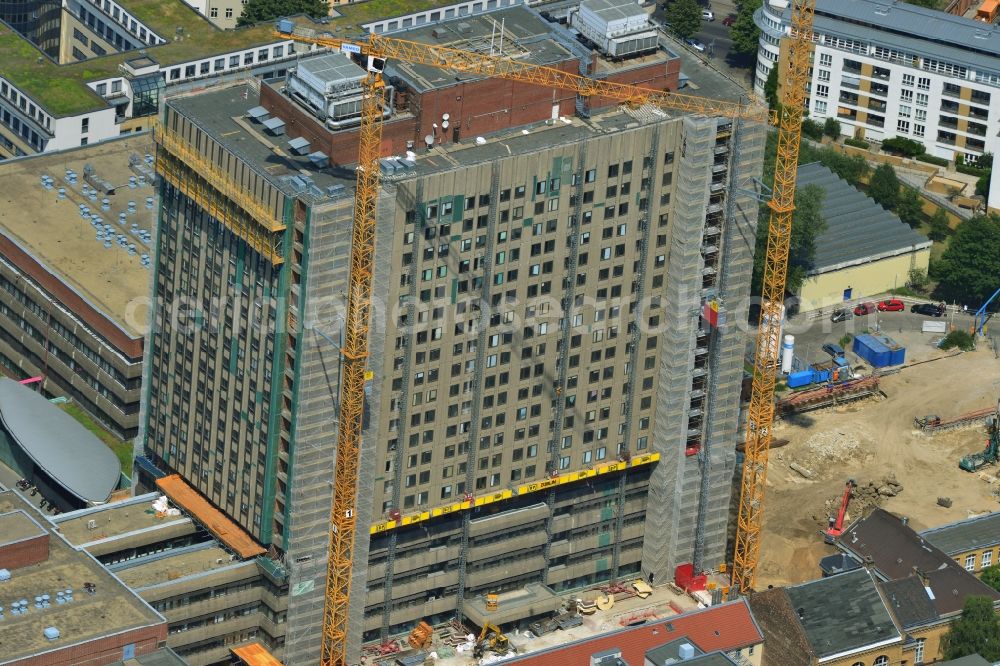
pixel 991 454
pixel 492 639
pixel 836 527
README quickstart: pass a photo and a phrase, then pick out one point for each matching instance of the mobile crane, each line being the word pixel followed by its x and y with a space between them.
pixel 377 49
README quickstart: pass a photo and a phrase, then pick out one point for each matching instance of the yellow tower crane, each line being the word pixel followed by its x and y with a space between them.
pixel 355 349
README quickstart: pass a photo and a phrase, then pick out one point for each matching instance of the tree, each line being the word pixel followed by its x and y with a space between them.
pixel 969 270
pixel 991 576
pixel 977 631
pixel 811 129
pixel 807 224
pixel 939 228
pixel 983 185
pixel 916 279
pixel 257 11
pixel 684 17
pixel 884 186
pixel 771 90
pixel 910 206
pixel 744 33
pixel 832 128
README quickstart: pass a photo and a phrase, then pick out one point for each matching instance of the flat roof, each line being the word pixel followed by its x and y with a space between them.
pixel 18 526
pixel 216 522
pixel 527 38
pixel 917 30
pixel 255 654
pixel 966 535
pixel 54 233
pixel 221 113
pixel 57 444
pixel 61 89
pixel 172 565
pixel 111 520
pixel 611 10
pixel 858 230
pixel 112 609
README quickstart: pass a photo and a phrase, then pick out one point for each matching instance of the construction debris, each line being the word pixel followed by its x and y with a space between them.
pixel 807 473
pixel 932 423
pixel 864 498
pixel 945 502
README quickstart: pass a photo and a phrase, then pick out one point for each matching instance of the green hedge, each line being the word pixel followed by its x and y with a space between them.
pixel 857 143
pixel 903 146
pixel 971 170
pixel 930 159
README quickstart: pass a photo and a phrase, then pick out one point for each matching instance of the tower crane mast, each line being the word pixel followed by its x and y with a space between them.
pixel 343 529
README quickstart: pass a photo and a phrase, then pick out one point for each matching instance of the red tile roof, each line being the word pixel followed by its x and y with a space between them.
pixel 726 627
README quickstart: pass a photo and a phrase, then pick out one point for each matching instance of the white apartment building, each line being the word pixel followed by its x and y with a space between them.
pixel 885 69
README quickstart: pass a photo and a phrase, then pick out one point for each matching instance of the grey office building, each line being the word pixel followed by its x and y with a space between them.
pixel 549 407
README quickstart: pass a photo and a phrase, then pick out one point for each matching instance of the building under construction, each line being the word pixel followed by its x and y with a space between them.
pixel 553 388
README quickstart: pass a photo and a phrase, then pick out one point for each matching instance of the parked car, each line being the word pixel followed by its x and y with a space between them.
pixel 840 315
pixel 833 350
pixel 929 309
pixel 707 15
pixel 891 305
pixel 695 44
pixel 729 21
pixel 864 308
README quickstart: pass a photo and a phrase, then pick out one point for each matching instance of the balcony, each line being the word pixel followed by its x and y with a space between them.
pixel 978 114
pixel 848 98
pixel 976 129
pixel 946 138
pixel 875 121
pixel 951 90
pixel 947 121
pixel 876 105
pixel 851 68
pixel 949 107
pixel 879 89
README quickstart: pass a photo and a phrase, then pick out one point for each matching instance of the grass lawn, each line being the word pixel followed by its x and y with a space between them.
pixel 121 448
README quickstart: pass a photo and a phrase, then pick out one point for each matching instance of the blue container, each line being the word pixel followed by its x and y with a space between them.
pixel 840 362
pixel 879 350
pixel 821 376
pixel 800 378
pixel 897 352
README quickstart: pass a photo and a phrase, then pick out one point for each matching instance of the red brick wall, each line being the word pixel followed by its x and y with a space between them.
pixel 658 76
pixel 474 108
pixel 24 553
pixel 101 651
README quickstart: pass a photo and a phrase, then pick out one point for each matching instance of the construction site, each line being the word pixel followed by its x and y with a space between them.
pixel 901 445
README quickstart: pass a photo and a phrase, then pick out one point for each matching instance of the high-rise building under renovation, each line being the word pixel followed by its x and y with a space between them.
pixel 554 389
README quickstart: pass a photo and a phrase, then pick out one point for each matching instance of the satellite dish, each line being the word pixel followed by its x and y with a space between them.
pixel 444 124
pixel 429 140
pixel 445 117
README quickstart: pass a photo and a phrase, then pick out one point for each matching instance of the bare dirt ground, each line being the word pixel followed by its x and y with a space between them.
pixel 868 441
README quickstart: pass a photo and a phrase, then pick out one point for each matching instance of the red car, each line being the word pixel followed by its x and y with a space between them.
pixel 728 21
pixel 891 305
pixel 863 309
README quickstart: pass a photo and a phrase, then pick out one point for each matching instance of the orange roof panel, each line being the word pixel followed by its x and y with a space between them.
pixel 216 522
pixel 255 654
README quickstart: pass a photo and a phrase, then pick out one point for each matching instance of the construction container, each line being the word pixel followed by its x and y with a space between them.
pixel 800 378
pixel 879 351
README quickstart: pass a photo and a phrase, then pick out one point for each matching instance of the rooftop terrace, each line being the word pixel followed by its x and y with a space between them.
pixel 111 520
pixel 61 89
pixel 112 608
pixel 17 526
pixel 55 234
pixel 173 565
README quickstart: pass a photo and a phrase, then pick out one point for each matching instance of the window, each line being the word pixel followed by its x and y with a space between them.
pixel 820 107
pixel 987 558
pixel 906 95
pixel 924 83
pixel 229 12
pixel 903 126
pixel 918 652
pixel 881 660
pixel 904 111
pixel 908 80
pixel 918 130
pixel 970 562
pixel 825 59
pixel 921 99
pixel 213 12
pixel 824 75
